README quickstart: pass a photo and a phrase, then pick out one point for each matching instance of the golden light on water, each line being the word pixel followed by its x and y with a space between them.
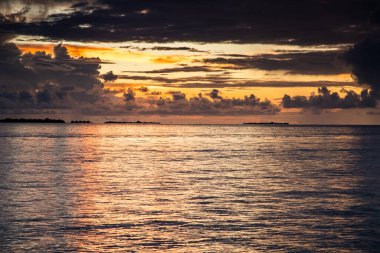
pixel 165 188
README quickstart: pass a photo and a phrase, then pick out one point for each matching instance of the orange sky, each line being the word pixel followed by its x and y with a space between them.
pixel 130 60
pixel 126 59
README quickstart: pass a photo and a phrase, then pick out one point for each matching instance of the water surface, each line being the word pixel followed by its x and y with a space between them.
pixel 178 188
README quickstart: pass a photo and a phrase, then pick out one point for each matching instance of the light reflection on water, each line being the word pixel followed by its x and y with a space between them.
pixel 166 188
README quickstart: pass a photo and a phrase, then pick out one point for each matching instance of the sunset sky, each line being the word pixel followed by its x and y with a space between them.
pixel 221 61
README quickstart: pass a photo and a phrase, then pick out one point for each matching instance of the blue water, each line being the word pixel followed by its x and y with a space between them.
pixel 178 188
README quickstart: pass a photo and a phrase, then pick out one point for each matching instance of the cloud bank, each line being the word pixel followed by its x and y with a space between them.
pixel 32 82
pixel 248 21
pixel 325 99
pixel 214 104
pixel 40 82
pixel 364 57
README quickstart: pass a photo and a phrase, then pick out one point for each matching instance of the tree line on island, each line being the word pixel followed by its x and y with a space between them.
pixel 47 120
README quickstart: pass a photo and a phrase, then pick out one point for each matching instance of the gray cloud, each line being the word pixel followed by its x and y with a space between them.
pixel 364 57
pixel 165 48
pixel 40 81
pixel 223 80
pixel 129 95
pixel 109 76
pixel 178 104
pixel 13 74
pixel 59 82
pixel 307 63
pixel 312 22
pixel 143 89
pixel 215 94
pixel 178 69
pixel 325 99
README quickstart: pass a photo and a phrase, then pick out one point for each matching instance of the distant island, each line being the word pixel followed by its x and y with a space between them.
pixel 22 120
pixel 266 123
pixel 131 122
pixel 80 122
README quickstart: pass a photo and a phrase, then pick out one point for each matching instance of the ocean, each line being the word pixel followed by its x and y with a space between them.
pixel 189 188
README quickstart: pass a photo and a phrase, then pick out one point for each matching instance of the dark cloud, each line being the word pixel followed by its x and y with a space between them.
pixel 248 21
pixel 165 48
pixel 178 96
pixel 223 80
pixel 129 95
pixel 143 89
pixel 25 96
pixel 13 74
pixel 43 96
pixel 307 63
pixel 325 99
pixel 215 94
pixel 60 52
pixel 178 69
pixel 178 104
pixel 40 81
pixel 109 76
pixel 15 17
pixel 190 49
pixel 364 58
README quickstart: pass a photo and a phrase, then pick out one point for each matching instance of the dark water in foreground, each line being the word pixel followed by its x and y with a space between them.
pixel 126 188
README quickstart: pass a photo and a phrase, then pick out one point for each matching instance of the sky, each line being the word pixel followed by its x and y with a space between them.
pixel 225 61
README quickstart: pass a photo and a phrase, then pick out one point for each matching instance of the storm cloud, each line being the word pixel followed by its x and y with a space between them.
pixel 248 21
pixel 43 81
pixel 314 40
pixel 364 58
pixel 306 63
pixel 179 104
pixel 109 76
pixel 325 99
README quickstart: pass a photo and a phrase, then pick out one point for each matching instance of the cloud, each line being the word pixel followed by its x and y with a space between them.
pixel 129 95
pixel 214 94
pixel 25 11
pixel 364 57
pixel 306 63
pixel 325 99
pixel 13 74
pixel 166 48
pixel 168 59
pixel 40 81
pixel 63 71
pixel 177 96
pixel 313 22
pixel 143 89
pixel 190 49
pixel 178 69
pixel 60 52
pixel 179 104
pixel 109 76
pixel 223 80
pixel 15 17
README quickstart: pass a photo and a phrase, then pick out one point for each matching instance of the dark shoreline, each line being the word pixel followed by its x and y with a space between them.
pixel 60 121
pixel 22 120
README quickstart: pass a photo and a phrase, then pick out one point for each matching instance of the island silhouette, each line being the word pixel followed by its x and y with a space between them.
pixel 22 120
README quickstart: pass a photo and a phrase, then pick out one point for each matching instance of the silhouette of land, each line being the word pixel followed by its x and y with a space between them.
pixel 266 123
pixel 22 120
pixel 131 122
pixel 80 122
